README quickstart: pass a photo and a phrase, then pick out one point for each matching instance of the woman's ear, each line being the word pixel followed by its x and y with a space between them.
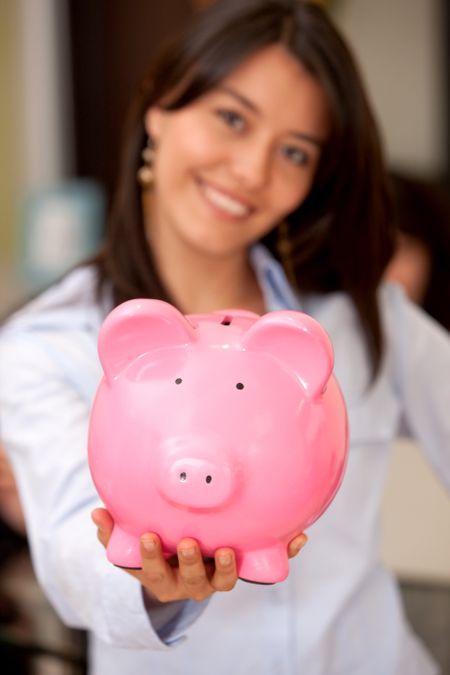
pixel 153 122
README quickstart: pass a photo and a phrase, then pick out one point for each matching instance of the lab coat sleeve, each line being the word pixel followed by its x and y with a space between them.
pixel 43 425
pixel 422 365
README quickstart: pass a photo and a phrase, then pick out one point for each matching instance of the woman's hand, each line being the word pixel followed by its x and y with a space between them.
pixel 192 578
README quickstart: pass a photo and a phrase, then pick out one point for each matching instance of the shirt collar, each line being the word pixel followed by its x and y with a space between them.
pixel 277 292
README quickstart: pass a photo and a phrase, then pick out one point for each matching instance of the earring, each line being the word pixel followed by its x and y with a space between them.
pixel 284 248
pixel 145 174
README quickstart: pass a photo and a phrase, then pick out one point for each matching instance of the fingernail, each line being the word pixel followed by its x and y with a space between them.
pixel 149 544
pixel 187 553
pixel 225 559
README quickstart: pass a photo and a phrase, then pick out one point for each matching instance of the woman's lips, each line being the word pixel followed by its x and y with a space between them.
pixel 230 206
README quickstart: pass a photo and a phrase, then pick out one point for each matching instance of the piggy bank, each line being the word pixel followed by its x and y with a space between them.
pixel 227 427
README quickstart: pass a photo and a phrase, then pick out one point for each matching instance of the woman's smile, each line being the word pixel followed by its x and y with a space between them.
pixel 224 204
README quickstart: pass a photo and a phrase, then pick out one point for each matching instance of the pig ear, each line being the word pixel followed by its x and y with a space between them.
pixel 139 326
pixel 299 342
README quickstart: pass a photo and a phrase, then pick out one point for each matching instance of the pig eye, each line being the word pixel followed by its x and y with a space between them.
pixel 239 385
pixel 178 380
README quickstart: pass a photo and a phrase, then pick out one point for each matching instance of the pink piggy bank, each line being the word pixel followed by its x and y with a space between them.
pixel 228 427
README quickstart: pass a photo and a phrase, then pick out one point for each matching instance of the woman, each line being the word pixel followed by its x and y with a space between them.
pixel 264 188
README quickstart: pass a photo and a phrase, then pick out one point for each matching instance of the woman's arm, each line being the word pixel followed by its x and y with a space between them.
pixel 44 426
pixel 421 367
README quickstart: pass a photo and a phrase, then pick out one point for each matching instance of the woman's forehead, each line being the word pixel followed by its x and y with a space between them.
pixel 273 82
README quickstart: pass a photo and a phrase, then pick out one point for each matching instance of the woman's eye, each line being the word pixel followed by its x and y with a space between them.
pixel 295 155
pixel 232 119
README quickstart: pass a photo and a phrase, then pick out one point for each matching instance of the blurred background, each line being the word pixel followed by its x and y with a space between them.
pixel 67 71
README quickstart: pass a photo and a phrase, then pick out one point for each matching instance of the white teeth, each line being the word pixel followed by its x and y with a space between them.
pixel 224 202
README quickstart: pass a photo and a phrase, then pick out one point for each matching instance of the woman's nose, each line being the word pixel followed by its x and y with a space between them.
pixel 251 166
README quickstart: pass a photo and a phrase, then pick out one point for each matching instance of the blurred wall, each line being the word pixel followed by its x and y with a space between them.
pixel 112 44
pixel 10 137
pixel 68 68
pixel 401 49
pixel 35 120
pixel 47 118
pixel 415 518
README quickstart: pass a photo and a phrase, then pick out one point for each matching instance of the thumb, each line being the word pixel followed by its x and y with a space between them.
pixel 105 524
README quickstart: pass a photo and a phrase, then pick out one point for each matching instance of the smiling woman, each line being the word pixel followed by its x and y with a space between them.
pixel 237 162
pixel 304 62
pixel 252 177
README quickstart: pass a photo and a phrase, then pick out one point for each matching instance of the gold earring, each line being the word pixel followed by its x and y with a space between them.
pixel 284 248
pixel 145 174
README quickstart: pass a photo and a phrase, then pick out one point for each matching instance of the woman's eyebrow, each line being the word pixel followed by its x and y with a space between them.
pixel 308 138
pixel 303 136
pixel 241 98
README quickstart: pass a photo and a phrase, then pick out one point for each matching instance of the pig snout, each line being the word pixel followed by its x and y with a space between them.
pixel 190 479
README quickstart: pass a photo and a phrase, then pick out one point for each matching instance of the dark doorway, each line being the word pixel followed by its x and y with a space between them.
pixel 112 42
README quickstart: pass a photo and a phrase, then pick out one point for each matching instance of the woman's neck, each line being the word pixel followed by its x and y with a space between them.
pixel 200 282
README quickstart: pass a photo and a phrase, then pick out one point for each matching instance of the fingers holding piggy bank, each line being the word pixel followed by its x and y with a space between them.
pixel 192 578
pixel 228 430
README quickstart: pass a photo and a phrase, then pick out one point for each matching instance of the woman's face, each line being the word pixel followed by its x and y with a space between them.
pixel 232 164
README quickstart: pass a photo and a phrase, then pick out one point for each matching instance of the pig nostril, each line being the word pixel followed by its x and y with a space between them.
pixel 208 479
pixel 183 476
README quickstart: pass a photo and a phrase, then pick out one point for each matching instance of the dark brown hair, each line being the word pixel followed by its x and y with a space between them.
pixel 341 234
